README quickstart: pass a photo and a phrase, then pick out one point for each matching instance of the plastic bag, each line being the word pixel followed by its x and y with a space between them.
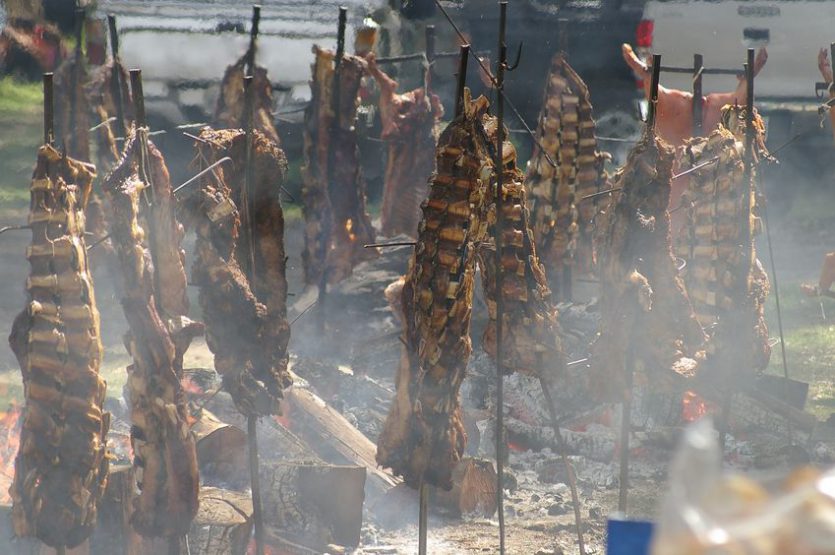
pixel 706 512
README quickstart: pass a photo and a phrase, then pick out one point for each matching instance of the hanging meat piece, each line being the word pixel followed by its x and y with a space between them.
pixel 643 304
pixel 72 108
pixel 562 222
pixel 230 104
pixel 423 437
pixel 337 224
pixel 246 317
pixel 147 239
pixel 61 466
pixel 724 278
pixel 99 91
pixel 409 122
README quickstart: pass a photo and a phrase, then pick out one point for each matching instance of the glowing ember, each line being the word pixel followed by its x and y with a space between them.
pixel 693 407
pixel 10 423
pixel 349 227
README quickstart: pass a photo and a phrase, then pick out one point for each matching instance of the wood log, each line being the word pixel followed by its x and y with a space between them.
pixel 473 489
pixel 223 524
pixel 221 452
pixel 333 438
pixel 314 504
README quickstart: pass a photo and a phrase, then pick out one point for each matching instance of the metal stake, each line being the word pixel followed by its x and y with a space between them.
pixel 48 109
pixel 625 425
pixel 423 517
pixel 116 77
pixel 652 109
pixel 253 39
pixel 255 482
pixel 499 240
pixel 461 83
pixel 698 67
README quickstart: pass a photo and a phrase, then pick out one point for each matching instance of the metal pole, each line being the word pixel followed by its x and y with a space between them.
pixel 698 66
pixel 253 38
pixel 832 59
pixel 423 517
pixel 562 30
pixel 429 33
pixel 499 241
pixel 462 79
pixel 255 481
pixel 625 425
pixel 653 98
pixel 335 126
pixel 48 109
pixel 116 77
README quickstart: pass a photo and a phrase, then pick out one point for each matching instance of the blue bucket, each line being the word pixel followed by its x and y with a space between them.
pixel 628 537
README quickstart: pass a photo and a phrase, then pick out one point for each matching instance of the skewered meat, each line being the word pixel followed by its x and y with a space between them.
pixel 563 224
pixel 99 91
pixel 72 108
pixel 61 467
pixel 424 437
pixel 644 307
pixel 230 104
pixel 155 305
pixel 724 278
pixel 246 317
pixel 337 224
pixel 409 122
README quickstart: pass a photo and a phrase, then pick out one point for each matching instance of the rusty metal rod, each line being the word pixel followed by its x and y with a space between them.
pixel 461 81
pixel 393 244
pixel 698 72
pixel 253 40
pixel 653 98
pixel 48 109
pixel 116 77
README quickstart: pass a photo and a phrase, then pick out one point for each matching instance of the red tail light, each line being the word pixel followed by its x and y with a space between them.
pixel 643 35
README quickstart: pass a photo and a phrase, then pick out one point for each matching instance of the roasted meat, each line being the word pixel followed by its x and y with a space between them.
pixel 244 308
pixel 72 107
pixel 423 437
pixel 147 239
pixel 61 467
pixel 724 278
pixel 409 122
pixel 100 90
pixel 229 112
pixel 337 224
pixel 643 304
pixel 562 223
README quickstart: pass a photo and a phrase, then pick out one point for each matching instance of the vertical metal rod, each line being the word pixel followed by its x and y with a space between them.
pixel 138 97
pixel 625 426
pixel 249 177
pixel 462 79
pixel 48 109
pixel 562 30
pixel 569 470
pixel 698 66
pixel 749 167
pixel 499 241
pixel 255 481
pixel 653 97
pixel 253 40
pixel 334 133
pixel 832 58
pixel 116 77
pixel 423 517
pixel 70 133
pixel 429 33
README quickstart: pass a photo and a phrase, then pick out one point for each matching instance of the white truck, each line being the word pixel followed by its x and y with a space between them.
pixel 793 31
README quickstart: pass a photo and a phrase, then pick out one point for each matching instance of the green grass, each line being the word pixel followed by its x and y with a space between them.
pixel 21 116
pixel 809 341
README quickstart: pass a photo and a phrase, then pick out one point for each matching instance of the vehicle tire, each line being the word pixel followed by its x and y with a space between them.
pixel 617 123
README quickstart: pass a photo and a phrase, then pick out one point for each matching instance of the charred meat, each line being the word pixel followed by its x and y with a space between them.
pixel 423 437
pixel 61 467
pixel 337 224
pixel 147 239
pixel 229 112
pixel 644 306
pixel 244 307
pixel 409 121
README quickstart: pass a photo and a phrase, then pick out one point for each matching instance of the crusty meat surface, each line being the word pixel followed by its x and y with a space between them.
pixel 147 240
pixel 562 222
pixel 409 121
pixel 643 304
pixel 423 436
pixel 246 315
pixel 61 466
pixel 337 224
pixel 724 278
pixel 229 112
pixel 99 90
pixel 72 108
